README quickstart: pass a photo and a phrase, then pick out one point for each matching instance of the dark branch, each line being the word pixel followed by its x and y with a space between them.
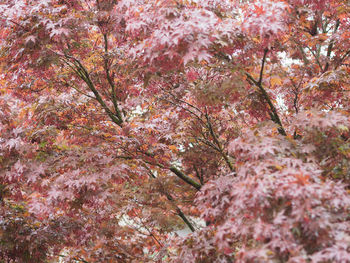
pixel 262 66
pixel 273 111
pixel 330 47
pixel 81 71
pixel 185 178
pixel 110 80
pixel 217 142
pixel 171 199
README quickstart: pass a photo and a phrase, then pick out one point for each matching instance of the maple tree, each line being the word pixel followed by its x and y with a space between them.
pixel 124 122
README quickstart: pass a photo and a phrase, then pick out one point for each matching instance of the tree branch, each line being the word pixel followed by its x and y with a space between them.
pixel 274 115
pixel 217 142
pixel 171 199
pixel 330 47
pixel 342 59
pixel 179 174
pixel 81 71
pixel 316 56
pixel 110 80
pixel 262 66
pixel 185 178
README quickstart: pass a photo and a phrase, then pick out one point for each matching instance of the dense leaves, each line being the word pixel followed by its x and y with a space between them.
pixel 174 131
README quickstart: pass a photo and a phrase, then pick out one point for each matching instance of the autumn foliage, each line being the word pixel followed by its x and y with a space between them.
pixel 174 131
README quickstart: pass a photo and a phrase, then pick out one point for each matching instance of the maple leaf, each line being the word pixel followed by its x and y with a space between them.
pixel 59 32
pixel 30 39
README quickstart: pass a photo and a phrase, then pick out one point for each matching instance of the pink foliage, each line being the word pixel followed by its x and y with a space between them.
pixel 275 207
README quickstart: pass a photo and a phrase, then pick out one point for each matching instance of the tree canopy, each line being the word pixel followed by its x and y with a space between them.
pixel 125 123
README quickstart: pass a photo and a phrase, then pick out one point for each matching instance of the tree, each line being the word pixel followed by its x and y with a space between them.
pixel 125 121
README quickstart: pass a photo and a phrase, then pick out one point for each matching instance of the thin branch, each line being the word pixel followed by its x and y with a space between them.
pixel 81 71
pixel 15 23
pixel 149 231
pixel 219 147
pixel 316 58
pixel 217 142
pixel 207 142
pixel 188 104
pixel 178 173
pixel 342 59
pixel 199 174
pixel 296 92
pixel 262 66
pixel 110 80
pixel 185 102
pixel 330 46
pixel 171 199
pixel 274 115
pixel 186 109
pixel 78 90
pixel 305 59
